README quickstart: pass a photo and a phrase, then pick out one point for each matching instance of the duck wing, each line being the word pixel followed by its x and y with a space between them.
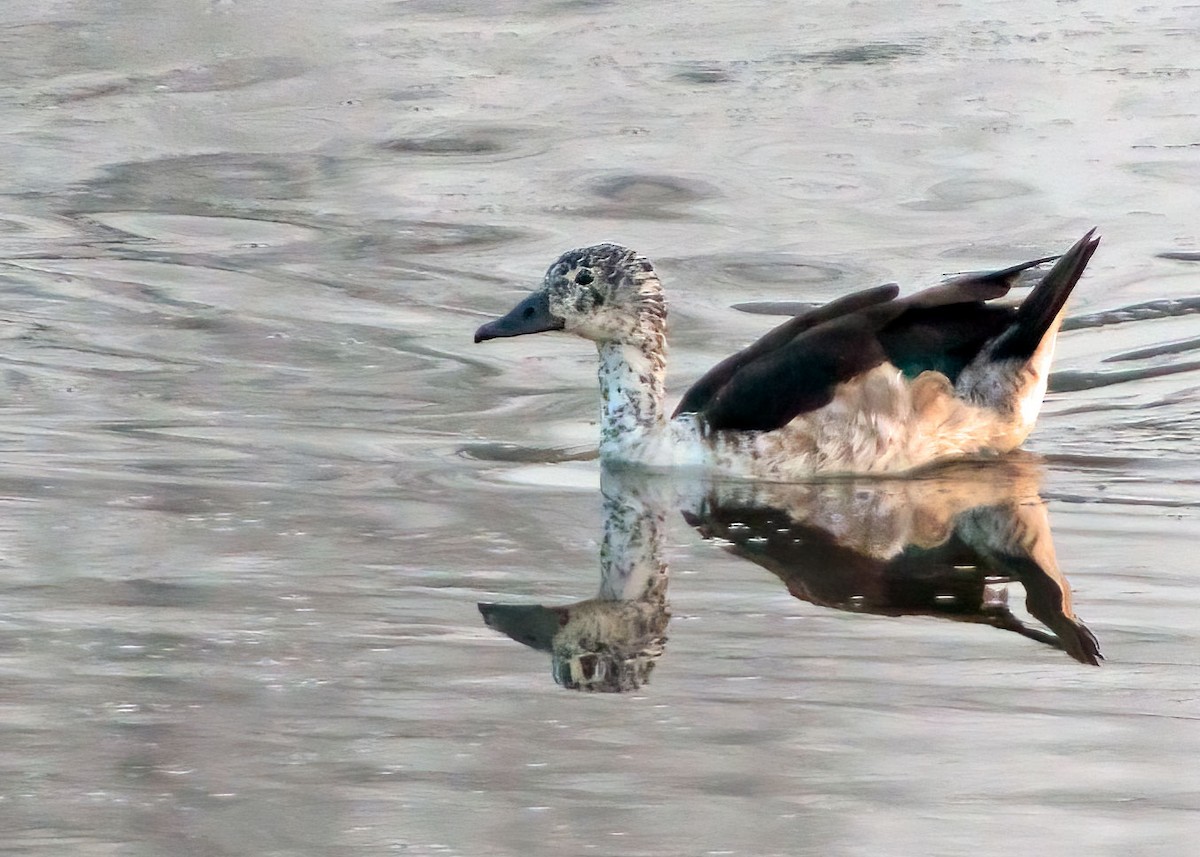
pixel 796 367
pixel 702 392
pixel 943 339
pixel 946 326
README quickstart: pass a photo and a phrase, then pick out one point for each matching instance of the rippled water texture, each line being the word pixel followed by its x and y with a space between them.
pixel 290 566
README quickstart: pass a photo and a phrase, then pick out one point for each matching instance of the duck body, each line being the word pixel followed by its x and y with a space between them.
pixel 878 423
pixel 870 383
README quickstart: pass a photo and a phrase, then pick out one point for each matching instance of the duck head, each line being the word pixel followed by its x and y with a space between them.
pixel 605 293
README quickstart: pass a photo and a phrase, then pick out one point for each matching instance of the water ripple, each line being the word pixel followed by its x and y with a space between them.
pixel 189 233
pixel 867 53
pixel 470 144
pixel 633 196
pixel 1167 348
pixel 1161 308
pixel 1067 381
pixel 222 76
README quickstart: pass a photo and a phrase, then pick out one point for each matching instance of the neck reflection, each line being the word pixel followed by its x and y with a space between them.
pixel 610 642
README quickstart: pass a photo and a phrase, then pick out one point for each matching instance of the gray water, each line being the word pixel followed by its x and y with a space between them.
pixel 256 479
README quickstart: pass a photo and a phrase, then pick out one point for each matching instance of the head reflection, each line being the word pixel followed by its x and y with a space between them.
pixel 611 642
pixel 943 544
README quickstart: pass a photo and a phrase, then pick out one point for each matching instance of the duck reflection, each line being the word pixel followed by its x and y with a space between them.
pixel 941 544
pixel 610 642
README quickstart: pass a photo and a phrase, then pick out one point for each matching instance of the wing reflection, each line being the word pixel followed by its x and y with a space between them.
pixel 943 544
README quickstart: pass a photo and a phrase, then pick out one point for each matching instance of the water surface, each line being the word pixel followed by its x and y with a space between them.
pixel 257 480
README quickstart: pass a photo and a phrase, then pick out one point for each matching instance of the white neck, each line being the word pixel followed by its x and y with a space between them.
pixel 632 393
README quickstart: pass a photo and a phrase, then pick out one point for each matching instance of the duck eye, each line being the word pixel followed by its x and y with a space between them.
pixel 584 278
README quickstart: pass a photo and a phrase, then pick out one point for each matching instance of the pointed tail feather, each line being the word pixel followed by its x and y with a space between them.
pixel 1006 277
pixel 1038 312
pixel 974 287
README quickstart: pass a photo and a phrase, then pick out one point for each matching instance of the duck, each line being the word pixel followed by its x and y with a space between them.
pixel 870 383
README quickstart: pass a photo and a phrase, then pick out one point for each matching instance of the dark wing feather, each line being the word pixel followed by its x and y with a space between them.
pixel 943 339
pixel 797 367
pixel 700 393
pixel 1005 276
pixel 798 377
pixel 947 326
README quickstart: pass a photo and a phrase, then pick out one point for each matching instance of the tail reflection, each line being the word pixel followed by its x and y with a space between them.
pixel 942 544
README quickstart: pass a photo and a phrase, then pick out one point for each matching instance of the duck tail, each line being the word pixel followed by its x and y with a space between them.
pixel 1041 313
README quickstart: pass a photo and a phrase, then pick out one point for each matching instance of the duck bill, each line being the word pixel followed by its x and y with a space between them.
pixel 531 315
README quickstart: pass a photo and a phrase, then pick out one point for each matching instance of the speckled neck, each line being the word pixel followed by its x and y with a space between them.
pixel 632 394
